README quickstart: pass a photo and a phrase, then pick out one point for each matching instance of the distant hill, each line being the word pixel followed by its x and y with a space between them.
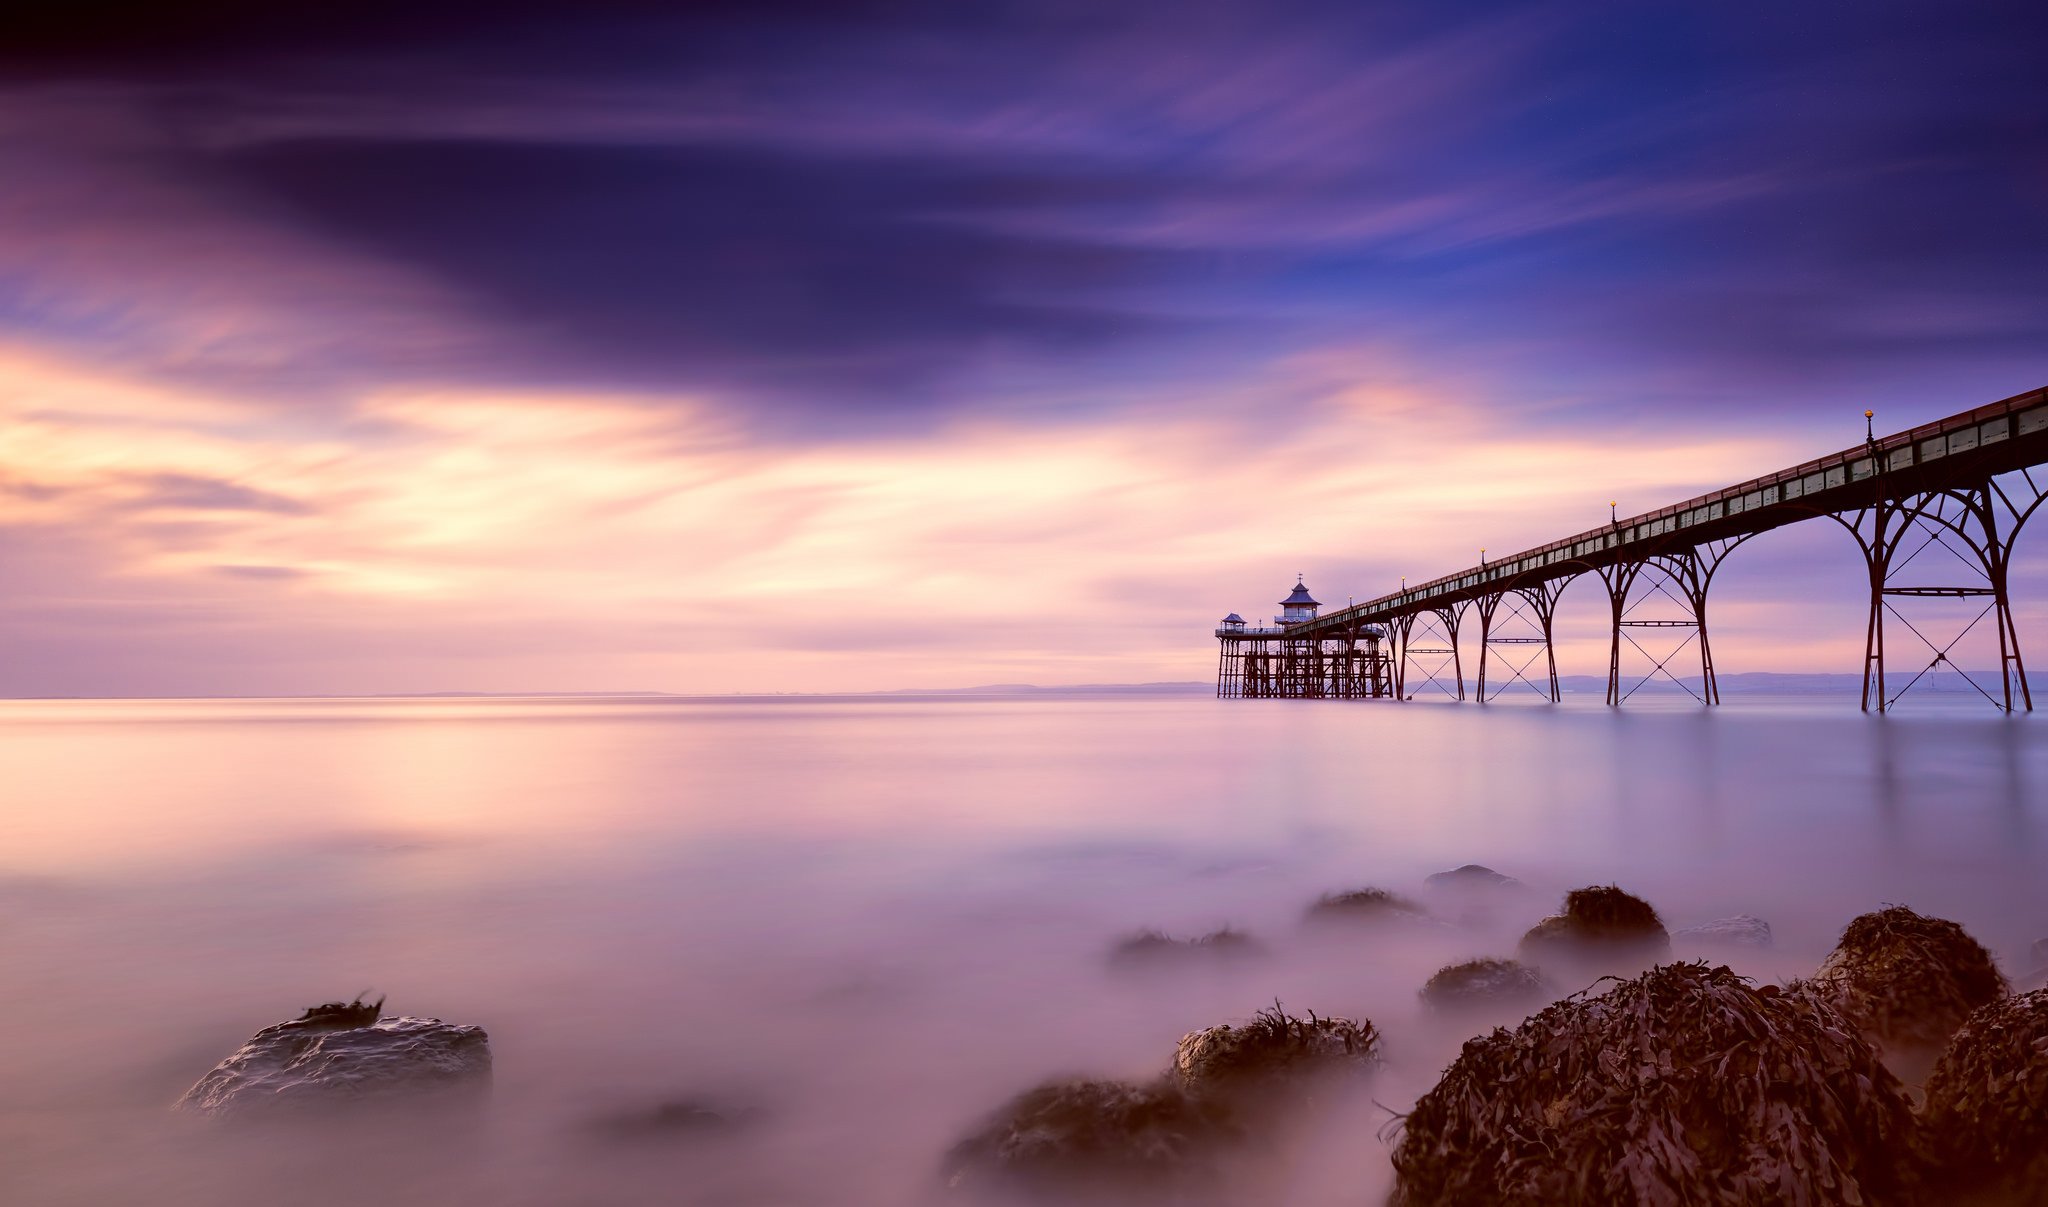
pixel 1773 683
pixel 1181 688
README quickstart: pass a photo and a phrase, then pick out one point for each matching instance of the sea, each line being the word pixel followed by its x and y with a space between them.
pixel 838 932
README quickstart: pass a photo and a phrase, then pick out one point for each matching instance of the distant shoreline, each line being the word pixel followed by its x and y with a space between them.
pixel 1748 683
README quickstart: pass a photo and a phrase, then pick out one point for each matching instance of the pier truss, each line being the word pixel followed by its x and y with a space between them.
pixel 1525 631
pixel 1428 642
pixel 1936 511
pixel 1279 663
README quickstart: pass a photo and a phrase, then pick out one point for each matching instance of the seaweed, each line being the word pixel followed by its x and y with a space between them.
pixel 1274 1052
pixel 342 1015
pixel 1073 1138
pixel 1153 947
pixel 1599 922
pixel 1080 1136
pixel 1483 983
pixel 1908 980
pixel 1685 1085
pixel 1986 1118
pixel 1366 904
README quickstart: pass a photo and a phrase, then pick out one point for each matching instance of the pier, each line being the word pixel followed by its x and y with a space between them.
pixel 1966 485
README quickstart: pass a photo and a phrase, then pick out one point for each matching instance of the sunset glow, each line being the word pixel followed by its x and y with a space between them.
pixel 845 385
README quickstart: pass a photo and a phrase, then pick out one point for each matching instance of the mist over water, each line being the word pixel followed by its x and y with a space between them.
pixel 862 925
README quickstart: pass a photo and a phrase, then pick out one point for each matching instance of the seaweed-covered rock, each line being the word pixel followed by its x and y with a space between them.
pixel 1685 1085
pixel 1083 1140
pixel 1742 930
pixel 1602 928
pixel 1472 875
pixel 1986 1117
pixel 1368 905
pixel 1906 979
pixel 343 1052
pixel 1484 984
pixel 1273 1054
pixel 1155 949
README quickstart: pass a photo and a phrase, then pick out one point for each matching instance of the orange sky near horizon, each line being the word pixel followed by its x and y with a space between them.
pixel 177 542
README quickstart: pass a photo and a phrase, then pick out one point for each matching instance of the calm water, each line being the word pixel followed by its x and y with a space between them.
pixel 867 922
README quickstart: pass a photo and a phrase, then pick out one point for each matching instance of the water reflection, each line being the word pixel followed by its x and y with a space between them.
pixel 868 922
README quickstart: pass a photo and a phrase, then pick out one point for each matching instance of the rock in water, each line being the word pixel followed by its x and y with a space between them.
pixel 1370 905
pixel 1154 949
pixel 1602 928
pixel 1472 875
pixel 1478 985
pixel 1986 1118
pixel 339 1053
pixel 1116 1143
pixel 1684 1086
pixel 1906 979
pixel 1274 1055
pixel 1742 930
pixel 1088 1141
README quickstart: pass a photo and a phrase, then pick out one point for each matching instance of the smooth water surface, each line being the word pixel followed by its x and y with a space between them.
pixel 867 922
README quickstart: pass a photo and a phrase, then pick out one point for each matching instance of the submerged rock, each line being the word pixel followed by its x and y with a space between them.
pixel 1273 1054
pixel 1602 928
pixel 1906 979
pixel 1472 875
pixel 674 1119
pixel 339 1053
pixel 1368 905
pixel 1986 1117
pixel 1077 1140
pixel 1682 1086
pixel 1153 949
pixel 1484 984
pixel 1742 930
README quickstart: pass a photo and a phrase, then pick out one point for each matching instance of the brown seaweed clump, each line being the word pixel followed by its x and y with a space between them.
pixel 1153 949
pixel 1367 905
pixel 1087 1141
pixel 1165 1141
pixel 1907 979
pixel 1601 925
pixel 340 1015
pixel 1986 1117
pixel 1275 1054
pixel 1484 984
pixel 1685 1085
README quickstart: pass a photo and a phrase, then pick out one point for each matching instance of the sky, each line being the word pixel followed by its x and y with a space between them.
pixel 409 347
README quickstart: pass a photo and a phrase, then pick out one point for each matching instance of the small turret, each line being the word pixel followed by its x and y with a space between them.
pixel 1299 606
pixel 1233 623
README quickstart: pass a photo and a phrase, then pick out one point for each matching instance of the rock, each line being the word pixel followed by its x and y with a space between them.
pixel 1682 1086
pixel 1275 1054
pixel 675 1118
pixel 1472 875
pixel 1153 949
pixel 1370 905
pixel 1483 985
pixel 1601 929
pixel 1742 930
pixel 1116 1142
pixel 1986 1118
pixel 341 1053
pixel 1908 980
pixel 1108 1141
